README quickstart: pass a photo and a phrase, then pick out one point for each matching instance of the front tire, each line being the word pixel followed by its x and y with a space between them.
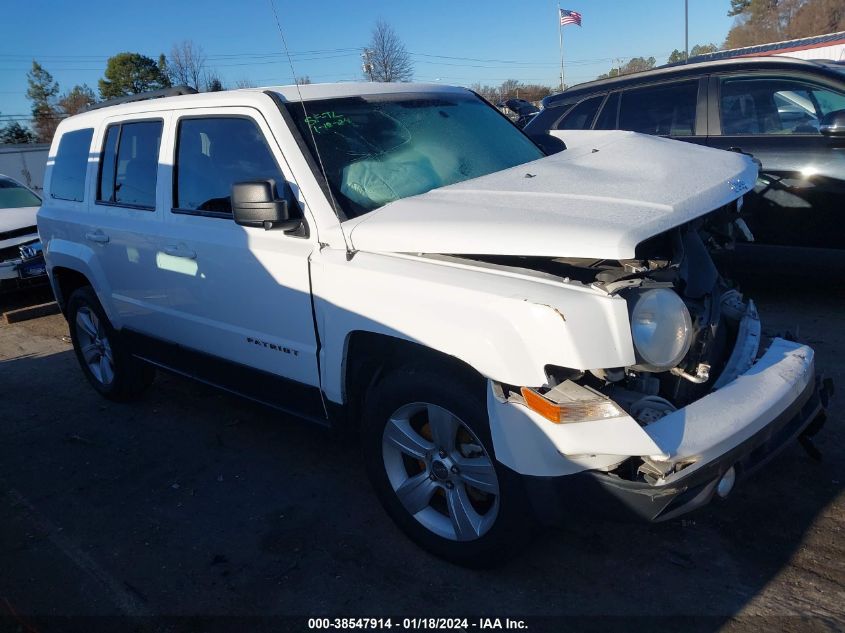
pixel 103 357
pixel 429 455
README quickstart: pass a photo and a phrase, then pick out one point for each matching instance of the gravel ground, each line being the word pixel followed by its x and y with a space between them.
pixel 192 502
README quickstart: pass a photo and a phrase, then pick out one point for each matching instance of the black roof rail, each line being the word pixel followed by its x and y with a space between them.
pixel 175 91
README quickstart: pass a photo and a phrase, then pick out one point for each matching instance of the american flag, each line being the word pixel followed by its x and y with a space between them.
pixel 569 17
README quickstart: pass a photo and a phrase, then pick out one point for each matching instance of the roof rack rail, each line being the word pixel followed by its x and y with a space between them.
pixel 175 91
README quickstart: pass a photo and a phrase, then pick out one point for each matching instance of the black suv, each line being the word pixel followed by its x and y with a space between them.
pixel 788 113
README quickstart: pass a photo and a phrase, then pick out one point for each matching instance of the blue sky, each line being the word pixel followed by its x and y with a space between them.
pixel 504 38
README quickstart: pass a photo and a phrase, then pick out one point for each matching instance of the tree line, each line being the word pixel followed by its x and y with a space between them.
pixel 125 74
pixel 757 22
pixel 385 58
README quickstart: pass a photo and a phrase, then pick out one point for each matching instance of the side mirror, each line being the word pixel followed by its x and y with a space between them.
pixel 254 203
pixel 548 143
pixel 833 123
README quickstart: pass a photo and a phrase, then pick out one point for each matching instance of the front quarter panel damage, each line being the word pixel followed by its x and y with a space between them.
pixel 506 326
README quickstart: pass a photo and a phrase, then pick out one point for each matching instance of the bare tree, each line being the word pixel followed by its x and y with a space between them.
pixel 490 93
pixel 305 79
pixel 244 83
pixel 509 89
pixel 386 58
pixel 187 65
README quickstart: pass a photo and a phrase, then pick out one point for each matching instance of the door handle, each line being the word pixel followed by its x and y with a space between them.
pixel 179 251
pixel 97 236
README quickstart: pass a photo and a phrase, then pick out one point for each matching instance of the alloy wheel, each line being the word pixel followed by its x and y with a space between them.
pixel 94 345
pixel 440 471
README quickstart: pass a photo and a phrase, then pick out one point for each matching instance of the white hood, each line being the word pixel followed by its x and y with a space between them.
pixel 601 197
pixel 14 219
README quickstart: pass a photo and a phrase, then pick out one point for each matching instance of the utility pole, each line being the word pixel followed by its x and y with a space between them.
pixel 686 31
pixel 367 63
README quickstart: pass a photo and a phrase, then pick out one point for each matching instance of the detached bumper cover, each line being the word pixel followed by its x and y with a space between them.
pixel 742 425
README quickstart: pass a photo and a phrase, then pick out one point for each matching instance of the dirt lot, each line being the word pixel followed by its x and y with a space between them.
pixel 193 502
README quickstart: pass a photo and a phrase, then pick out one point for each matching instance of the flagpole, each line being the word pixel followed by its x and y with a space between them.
pixel 560 41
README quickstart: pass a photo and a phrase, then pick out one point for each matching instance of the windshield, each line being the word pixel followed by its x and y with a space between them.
pixel 14 195
pixel 381 148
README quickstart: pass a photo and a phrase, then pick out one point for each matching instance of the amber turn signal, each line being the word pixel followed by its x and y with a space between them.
pixel 574 411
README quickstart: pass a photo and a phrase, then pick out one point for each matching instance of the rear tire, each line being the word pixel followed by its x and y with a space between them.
pixel 103 357
pixel 429 456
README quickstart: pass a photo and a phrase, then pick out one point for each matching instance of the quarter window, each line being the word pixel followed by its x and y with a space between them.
pixel 581 116
pixel 666 110
pixel 129 164
pixel 214 153
pixel 775 106
pixel 68 178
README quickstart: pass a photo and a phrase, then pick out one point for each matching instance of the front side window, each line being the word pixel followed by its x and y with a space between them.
pixel 379 148
pixel 665 110
pixel 14 195
pixel 581 116
pixel 214 153
pixel 767 105
pixel 70 165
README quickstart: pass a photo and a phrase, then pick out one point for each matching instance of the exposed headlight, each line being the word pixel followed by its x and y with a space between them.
pixel 660 327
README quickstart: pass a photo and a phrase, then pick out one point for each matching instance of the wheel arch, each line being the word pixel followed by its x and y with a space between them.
pixel 71 265
pixel 368 355
pixel 65 281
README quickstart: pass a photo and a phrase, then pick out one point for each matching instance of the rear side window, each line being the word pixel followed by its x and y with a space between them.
pixel 212 154
pixel 666 110
pixel 129 164
pixel 581 116
pixel 69 167
pixel 609 113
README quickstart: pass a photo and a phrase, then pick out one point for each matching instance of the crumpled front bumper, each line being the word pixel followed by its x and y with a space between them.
pixel 741 425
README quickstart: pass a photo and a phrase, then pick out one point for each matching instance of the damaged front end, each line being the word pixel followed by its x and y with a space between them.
pixel 700 408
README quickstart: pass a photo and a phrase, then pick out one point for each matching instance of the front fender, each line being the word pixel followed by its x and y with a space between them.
pixel 507 326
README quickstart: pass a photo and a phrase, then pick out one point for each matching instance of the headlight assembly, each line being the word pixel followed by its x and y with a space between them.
pixel 661 328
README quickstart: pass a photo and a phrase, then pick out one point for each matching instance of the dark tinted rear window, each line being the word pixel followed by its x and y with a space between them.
pixel 108 162
pixel 581 116
pixel 609 113
pixel 137 164
pixel 666 110
pixel 68 179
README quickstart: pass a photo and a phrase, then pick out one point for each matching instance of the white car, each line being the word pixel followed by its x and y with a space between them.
pixel 21 262
pixel 513 335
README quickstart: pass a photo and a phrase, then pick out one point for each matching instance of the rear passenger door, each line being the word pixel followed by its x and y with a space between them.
pixel 675 109
pixel 127 218
pixel 238 294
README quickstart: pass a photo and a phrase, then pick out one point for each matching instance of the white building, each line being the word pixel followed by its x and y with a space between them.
pixel 830 46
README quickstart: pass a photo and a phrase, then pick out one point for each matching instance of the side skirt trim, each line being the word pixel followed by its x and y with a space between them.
pixel 283 394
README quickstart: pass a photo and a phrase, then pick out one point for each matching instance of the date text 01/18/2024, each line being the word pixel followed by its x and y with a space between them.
pixel 410 624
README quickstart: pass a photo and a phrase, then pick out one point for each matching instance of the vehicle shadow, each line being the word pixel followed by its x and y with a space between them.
pixel 207 505
pixel 26 297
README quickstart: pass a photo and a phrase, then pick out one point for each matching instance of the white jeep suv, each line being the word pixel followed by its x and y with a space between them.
pixel 513 335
